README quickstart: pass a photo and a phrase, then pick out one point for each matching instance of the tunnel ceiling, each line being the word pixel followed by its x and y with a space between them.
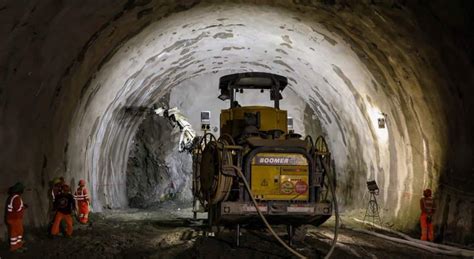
pixel 321 67
pixel 70 71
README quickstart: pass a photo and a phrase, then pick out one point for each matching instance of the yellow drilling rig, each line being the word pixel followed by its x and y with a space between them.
pixel 259 168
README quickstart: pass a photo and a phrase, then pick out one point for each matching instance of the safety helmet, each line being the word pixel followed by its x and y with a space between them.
pixel 56 180
pixel 427 193
pixel 82 182
pixel 17 188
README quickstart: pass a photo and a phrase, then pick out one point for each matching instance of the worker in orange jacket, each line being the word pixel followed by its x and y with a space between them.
pixel 82 198
pixel 64 205
pixel 427 211
pixel 14 216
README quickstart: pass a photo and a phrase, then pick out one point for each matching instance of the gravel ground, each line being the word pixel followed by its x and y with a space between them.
pixel 170 233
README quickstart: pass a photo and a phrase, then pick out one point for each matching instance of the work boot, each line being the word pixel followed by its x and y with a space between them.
pixel 18 250
pixel 22 249
pixel 53 236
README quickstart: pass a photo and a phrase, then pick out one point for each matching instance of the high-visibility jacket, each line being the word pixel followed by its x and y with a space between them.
pixel 15 207
pixel 427 206
pixel 427 210
pixel 81 194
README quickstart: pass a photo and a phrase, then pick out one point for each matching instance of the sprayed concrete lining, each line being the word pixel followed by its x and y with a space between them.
pixel 347 66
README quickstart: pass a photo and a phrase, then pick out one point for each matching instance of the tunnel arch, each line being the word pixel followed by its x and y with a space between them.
pixel 323 70
pixel 53 52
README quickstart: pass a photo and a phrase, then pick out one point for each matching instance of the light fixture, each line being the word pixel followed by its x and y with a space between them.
pixel 382 121
pixel 373 187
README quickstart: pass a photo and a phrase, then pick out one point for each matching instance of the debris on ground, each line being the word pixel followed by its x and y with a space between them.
pixel 171 233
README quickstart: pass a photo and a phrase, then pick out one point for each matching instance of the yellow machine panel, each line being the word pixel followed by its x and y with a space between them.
pixel 270 119
pixel 280 176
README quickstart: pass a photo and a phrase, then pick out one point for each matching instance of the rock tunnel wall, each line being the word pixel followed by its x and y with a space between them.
pixel 68 72
pixel 156 171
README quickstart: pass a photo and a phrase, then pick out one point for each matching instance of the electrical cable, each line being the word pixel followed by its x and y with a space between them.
pixel 336 210
pixel 461 251
pixel 453 252
pixel 270 229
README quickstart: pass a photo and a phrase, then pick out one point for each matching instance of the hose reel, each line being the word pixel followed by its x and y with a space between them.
pixel 197 157
pixel 213 185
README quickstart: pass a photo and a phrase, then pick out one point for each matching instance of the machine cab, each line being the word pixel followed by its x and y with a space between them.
pixel 238 121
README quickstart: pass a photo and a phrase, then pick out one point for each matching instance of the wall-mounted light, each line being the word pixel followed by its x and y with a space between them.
pixel 379 121
pixel 382 121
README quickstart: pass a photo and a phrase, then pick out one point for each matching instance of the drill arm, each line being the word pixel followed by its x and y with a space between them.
pixel 177 119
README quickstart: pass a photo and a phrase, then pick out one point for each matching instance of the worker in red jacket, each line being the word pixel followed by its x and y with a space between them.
pixel 64 206
pixel 82 199
pixel 14 216
pixel 427 211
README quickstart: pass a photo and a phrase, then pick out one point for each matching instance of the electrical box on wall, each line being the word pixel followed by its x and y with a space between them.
pixel 381 123
pixel 205 120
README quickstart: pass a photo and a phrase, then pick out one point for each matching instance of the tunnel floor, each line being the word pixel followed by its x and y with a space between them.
pixel 169 232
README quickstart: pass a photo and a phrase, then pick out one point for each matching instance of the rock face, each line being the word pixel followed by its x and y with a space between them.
pixel 156 172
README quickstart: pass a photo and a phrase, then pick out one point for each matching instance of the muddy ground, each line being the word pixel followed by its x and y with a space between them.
pixel 169 232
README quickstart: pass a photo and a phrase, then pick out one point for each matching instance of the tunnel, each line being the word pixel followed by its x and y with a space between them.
pixel 387 83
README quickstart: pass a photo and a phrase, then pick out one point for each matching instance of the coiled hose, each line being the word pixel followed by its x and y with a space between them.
pixel 247 186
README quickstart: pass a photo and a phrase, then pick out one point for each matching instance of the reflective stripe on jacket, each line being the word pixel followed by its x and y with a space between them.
pixel 81 195
pixel 15 207
pixel 428 205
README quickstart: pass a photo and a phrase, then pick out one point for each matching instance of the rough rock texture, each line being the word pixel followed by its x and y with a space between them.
pixel 68 70
pixel 156 171
pixel 148 175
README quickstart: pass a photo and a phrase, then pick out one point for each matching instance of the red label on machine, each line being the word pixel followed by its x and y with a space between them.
pixel 301 187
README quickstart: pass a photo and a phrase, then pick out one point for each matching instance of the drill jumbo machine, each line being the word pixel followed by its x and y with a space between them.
pixel 259 169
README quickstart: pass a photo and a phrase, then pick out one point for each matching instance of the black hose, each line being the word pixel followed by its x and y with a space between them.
pixel 336 210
